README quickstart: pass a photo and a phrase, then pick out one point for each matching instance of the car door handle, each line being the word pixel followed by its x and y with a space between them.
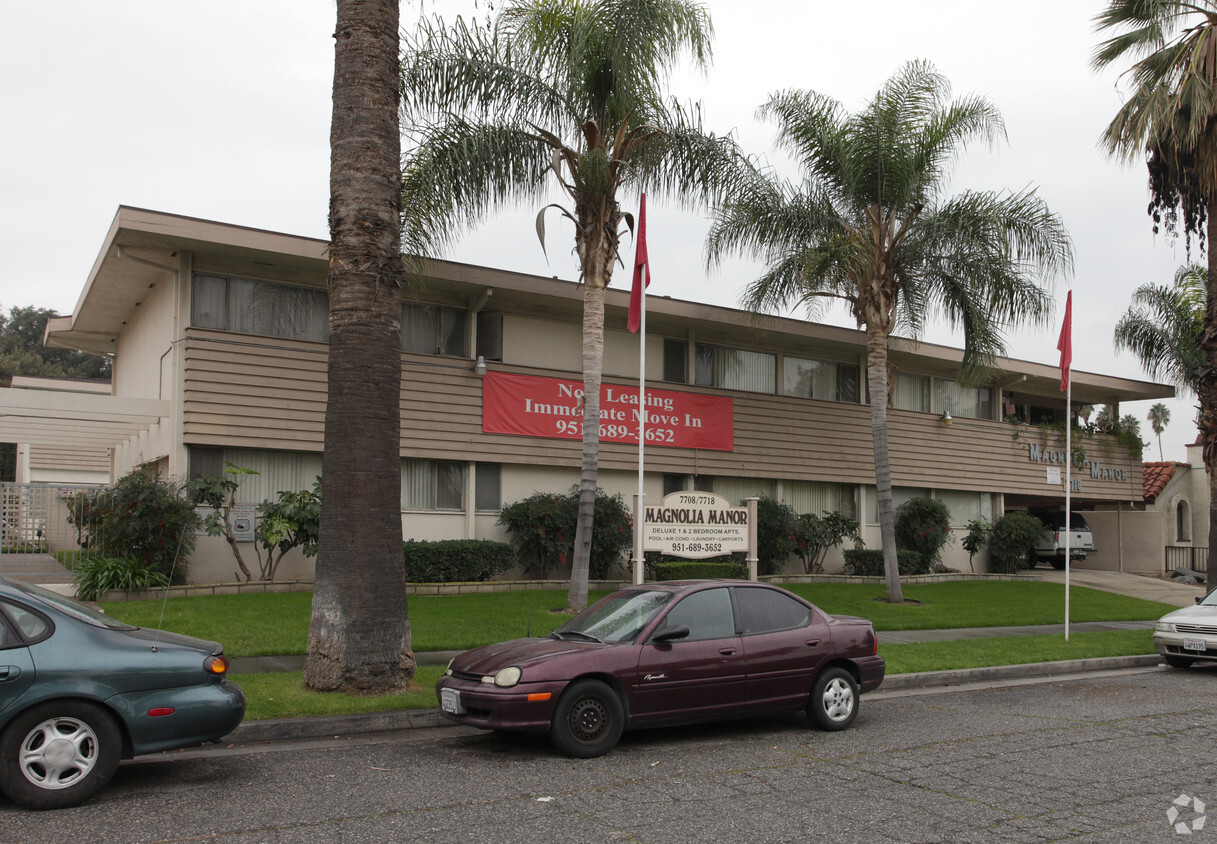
pixel 811 643
pixel 9 672
pixel 727 651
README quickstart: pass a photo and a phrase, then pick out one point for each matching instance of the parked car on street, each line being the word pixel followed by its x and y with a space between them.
pixel 1188 635
pixel 80 690
pixel 668 653
pixel 1052 546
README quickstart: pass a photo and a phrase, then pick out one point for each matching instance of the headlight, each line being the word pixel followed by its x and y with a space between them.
pixel 1164 627
pixel 507 677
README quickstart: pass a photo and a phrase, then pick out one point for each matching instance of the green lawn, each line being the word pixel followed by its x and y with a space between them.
pixel 261 625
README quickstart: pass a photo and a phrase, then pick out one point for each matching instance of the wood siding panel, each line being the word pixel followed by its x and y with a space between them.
pixel 267 393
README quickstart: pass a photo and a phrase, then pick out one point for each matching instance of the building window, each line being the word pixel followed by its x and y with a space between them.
pixel 900 495
pixel 817 497
pixel 487 495
pixel 432 485
pixel 674 483
pixel 818 379
pixel 490 336
pixel 961 401
pixel 675 361
pixel 736 490
pixel 966 506
pixel 259 307
pixel 433 330
pixel 911 392
pixel 1183 522
pixel 736 369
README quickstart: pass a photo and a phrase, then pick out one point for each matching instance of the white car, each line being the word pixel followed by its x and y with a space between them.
pixel 1190 634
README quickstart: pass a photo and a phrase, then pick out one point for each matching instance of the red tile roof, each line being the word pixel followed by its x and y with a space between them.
pixel 1155 477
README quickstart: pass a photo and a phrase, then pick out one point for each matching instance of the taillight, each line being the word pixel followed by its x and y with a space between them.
pixel 875 639
pixel 216 664
pixel 1056 537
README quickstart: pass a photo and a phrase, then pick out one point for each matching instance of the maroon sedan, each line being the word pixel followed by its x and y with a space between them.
pixel 668 653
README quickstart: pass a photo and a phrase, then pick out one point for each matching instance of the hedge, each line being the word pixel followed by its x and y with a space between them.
pixel 699 570
pixel 456 560
pixel 868 562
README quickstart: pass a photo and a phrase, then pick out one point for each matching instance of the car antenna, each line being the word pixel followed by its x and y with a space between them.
pixel 165 600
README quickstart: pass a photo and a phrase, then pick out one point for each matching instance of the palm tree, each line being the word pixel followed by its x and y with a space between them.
pixel 870 224
pixel 1170 116
pixel 572 89
pixel 1164 328
pixel 359 635
pixel 1159 417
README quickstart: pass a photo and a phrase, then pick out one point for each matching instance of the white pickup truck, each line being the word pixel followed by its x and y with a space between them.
pixel 1052 548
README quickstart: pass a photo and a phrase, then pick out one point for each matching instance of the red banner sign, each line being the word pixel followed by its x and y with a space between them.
pixel 550 407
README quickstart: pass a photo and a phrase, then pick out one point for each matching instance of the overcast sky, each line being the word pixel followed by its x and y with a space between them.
pixel 221 110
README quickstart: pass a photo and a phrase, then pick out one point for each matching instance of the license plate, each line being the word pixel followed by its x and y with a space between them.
pixel 1193 644
pixel 450 701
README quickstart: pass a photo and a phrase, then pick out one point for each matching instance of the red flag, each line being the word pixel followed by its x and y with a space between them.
pixel 642 270
pixel 1065 344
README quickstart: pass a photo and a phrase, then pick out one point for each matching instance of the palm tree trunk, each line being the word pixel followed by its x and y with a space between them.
pixel 593 365
pixel 876 374
pixel 1207 387
pixel 359 635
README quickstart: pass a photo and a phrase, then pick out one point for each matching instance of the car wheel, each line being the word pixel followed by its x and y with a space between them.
pixel 834 699
pixel 1058 563
pixel 588 721
pixel 58 754
pixel 1178 661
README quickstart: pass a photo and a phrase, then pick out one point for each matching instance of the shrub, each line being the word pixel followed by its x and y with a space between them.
pixel 814 535
pixel 700 569
pixel 456 560
pixel 1011 540
pixel 776 526
pixel 542 529
pixel 96 576
pixel 924 525
pixel 143 516
pixel 979 531
pixel 868 562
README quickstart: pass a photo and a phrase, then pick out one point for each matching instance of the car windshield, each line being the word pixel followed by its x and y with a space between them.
pixel 74 608
pixel 618 618
pixel 1210 600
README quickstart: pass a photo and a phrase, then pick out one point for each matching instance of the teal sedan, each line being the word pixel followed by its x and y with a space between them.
pixel 80 691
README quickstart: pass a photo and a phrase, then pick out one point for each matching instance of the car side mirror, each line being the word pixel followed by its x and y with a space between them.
pixel 669 634
pixel 1200 598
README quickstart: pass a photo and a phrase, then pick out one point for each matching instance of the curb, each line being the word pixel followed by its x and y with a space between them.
pixel 334 726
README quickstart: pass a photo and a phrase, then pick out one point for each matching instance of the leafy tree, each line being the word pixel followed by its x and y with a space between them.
pixel 1012 539
pixel 1170 117
pixel 815 535
pixel 542 529
pixel 871 224
pixel 924 525
pixel 1164 328
pixel 1159 417
pixel 359 634
pixel 568 88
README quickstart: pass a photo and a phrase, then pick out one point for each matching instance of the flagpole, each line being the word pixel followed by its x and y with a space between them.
pixel 638 322
pixel 642 425
pixel 1065 345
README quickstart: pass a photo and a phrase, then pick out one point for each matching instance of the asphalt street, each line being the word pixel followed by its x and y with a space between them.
pixel 1096 757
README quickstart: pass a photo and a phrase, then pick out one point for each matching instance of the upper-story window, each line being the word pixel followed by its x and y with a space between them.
pixel 819 379
pixel 433 330
pixel 911 392
pixel 967 402
pixel 260 307
pixel 736 369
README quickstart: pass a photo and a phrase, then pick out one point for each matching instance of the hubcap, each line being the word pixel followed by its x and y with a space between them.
pixel 838 699
pixel 58 753
pixel 588 719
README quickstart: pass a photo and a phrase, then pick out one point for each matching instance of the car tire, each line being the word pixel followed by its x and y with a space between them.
pixel 588 720
pixel 58 754
pixel 834 699
pixel 1178 661
pixel 1058 563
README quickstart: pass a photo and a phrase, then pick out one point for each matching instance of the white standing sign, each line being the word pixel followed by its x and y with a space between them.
pixel 695 525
